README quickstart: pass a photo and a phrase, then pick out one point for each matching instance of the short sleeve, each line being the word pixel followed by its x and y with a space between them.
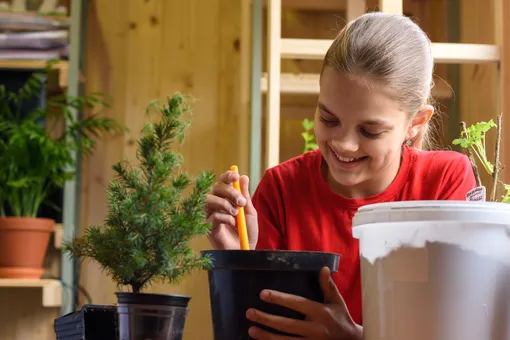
pixel 269 211
pixel 460 181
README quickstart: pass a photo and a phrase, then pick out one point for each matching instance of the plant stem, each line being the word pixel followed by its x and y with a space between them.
pixel 495 173
pixel 471 158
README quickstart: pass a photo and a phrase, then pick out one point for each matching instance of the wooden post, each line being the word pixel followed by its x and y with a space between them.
pixel 273 88
pixel 392 6
pixel 503 39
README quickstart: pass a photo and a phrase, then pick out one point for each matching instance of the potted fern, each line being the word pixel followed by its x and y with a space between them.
pixel 149 224
pixel 33 164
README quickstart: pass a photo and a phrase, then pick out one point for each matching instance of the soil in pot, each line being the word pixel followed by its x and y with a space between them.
pixel 151 316
pixel 238 276
pixel 23 245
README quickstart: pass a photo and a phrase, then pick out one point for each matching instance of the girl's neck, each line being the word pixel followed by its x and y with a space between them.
pixel 368 188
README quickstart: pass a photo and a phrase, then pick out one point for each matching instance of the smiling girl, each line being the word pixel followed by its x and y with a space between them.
pixel 371 125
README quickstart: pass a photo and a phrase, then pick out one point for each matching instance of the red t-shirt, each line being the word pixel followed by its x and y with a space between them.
pixel 297 210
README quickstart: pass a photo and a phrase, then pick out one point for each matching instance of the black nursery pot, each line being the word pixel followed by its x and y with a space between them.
pixel 91 322
pixel 238 276
pixel 151 316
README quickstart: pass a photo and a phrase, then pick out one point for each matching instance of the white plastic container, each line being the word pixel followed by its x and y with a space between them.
pixel 435 270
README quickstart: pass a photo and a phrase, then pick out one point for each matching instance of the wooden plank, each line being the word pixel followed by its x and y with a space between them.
pixel 444 53
pixel 306 83
pixel 355 8
pixel 391 6
pixel 62 67
pixel 315 5
pixel 504 39
pixel 51 289
pixel 173 32
pixel 273 84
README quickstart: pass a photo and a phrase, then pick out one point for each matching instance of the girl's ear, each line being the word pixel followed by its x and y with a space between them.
pixel 419 121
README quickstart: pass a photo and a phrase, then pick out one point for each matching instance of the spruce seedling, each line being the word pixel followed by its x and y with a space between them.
pixel 150 222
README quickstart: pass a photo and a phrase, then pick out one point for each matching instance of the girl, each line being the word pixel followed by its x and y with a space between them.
pixel 370 124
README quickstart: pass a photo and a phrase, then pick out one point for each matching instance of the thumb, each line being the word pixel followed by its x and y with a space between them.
pixel 329 289
pixel 244 182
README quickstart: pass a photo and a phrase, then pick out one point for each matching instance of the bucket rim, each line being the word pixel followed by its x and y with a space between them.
pixel 433 204
pixel 356 231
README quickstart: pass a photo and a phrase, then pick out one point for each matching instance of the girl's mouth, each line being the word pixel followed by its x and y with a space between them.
pixel 349 162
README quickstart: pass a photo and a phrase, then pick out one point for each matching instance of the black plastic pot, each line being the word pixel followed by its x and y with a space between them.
pixel 238 276
pixel 151 316
pixel 91 322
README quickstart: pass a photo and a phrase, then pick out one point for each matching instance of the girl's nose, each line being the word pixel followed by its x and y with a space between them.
pixel 345 143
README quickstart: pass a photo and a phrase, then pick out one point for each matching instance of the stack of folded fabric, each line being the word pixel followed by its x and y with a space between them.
pixel 33 37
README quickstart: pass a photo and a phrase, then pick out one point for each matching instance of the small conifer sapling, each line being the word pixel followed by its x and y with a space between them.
pixel 150 220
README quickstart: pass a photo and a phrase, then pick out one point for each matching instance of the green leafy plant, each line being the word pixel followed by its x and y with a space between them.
pixel 472 141
pixel 308 136
pixel 150 223
pixel 33 163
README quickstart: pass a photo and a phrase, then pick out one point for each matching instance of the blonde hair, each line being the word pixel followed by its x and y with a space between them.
pixel 391 49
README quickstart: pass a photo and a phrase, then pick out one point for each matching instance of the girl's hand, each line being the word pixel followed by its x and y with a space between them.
pixel 221 208
pixel 328 321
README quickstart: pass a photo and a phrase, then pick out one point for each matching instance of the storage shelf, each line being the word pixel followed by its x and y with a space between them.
pixel 307 83
pixel 444 53
pixel 51 289
pixel 21 64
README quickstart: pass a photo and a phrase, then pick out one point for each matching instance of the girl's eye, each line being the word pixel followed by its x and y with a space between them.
pixel 327 121
pixel 371 135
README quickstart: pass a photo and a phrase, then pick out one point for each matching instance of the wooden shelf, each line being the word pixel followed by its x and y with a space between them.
pixel 316 5
pixel 51 289
pixel 306 83
pixel 62 67
pixel 444 53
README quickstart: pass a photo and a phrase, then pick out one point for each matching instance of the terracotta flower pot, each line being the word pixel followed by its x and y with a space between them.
pixel 23 245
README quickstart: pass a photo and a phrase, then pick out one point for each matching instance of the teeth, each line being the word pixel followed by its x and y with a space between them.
pixel 345 159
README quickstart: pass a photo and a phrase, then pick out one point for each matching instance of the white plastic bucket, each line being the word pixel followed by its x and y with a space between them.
pixel 435 270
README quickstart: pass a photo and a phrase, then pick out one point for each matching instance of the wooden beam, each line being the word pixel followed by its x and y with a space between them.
pixel 51 289
pixel 444 53
pixel 307 83
pixel 503 38
pixel 451 53
pixel 391 6
pixel 315 5
pixel 29 64
pixel 273 84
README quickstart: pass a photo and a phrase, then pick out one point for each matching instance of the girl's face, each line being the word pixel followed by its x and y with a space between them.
pixel 360 131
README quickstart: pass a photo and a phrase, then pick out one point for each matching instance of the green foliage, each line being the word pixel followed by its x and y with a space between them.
pixel 474 139
pixel 308 136
pixel 506 196
pixel 150 222
pixel 32 163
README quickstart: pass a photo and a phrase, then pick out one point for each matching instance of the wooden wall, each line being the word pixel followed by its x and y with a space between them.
pixel 140 50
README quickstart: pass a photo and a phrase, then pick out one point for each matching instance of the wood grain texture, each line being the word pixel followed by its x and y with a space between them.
pixel 138 51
